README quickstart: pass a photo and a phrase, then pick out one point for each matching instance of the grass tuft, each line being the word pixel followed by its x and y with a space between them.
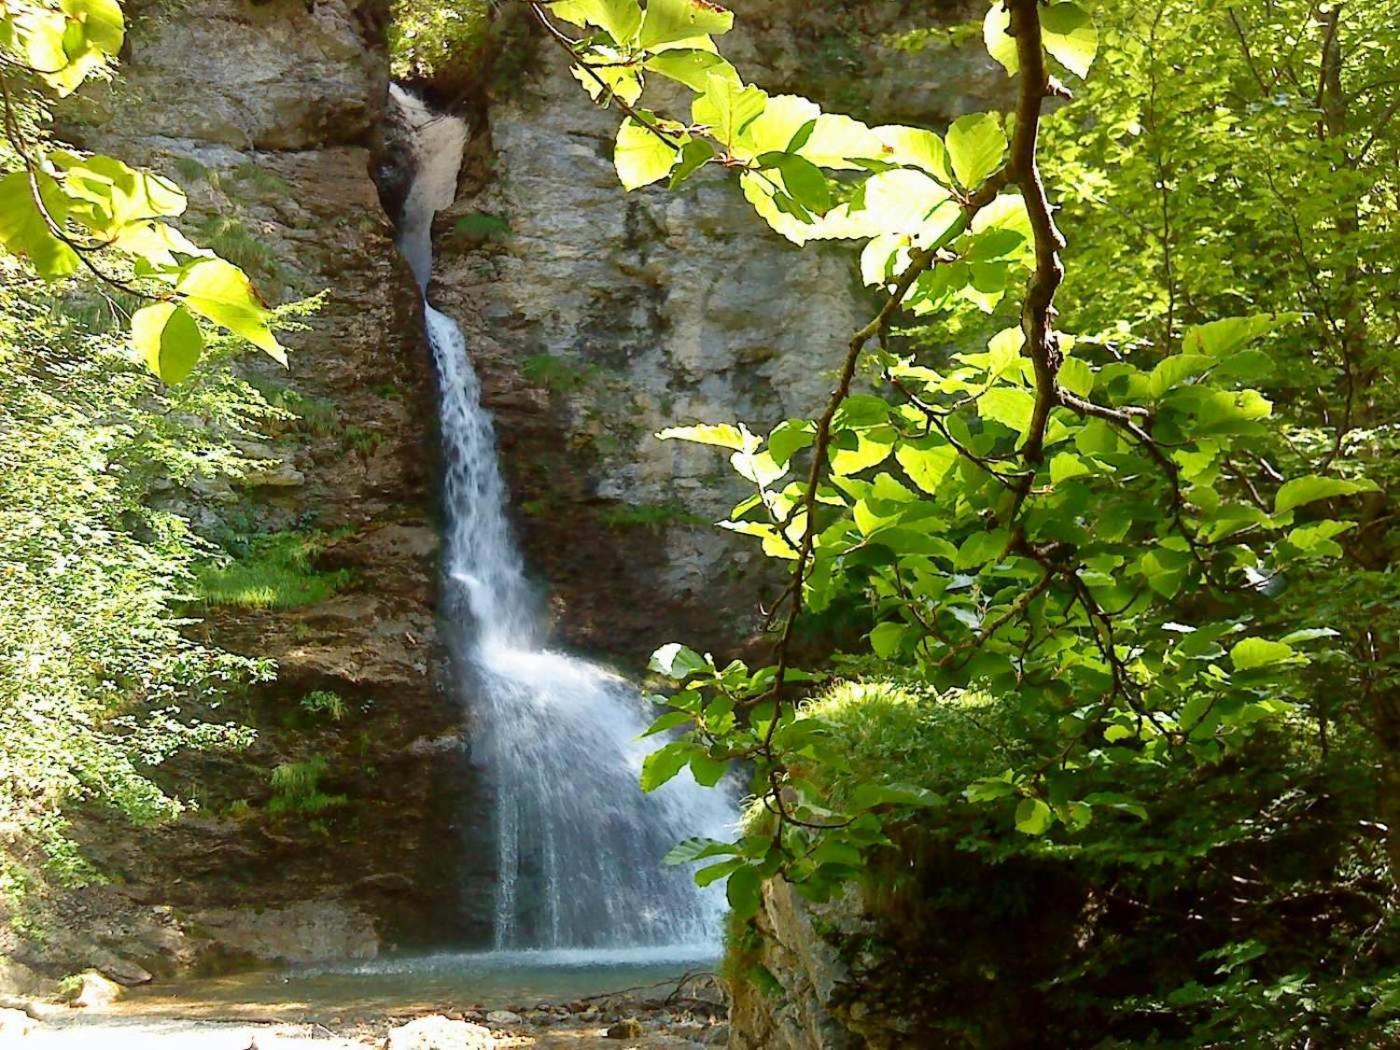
pixel 275 573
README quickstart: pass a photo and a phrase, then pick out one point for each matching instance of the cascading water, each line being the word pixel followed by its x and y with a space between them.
pixel 578 844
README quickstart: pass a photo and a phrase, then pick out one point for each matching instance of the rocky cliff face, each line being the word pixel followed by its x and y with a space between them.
pixel 597 318
pixel 269 113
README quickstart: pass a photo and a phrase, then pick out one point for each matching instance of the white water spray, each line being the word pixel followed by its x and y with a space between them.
pixel 578 845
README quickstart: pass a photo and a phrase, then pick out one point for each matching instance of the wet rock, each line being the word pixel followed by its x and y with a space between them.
pixel 437 1032
pixel 95 991
pixel 305 932
pixel 627 1028
pixel 503 1017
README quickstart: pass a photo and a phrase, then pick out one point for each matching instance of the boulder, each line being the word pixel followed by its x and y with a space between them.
pixel 123 971
pixel 503 1017
pixel 95 991
pixel 627 1028
pixel 19 981
pixel 436 1032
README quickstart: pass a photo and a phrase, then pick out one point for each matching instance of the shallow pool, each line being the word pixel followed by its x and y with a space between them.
pixel 413 984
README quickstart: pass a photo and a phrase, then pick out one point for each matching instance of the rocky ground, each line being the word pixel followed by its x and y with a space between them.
pixel 691 1014
pixel 616 1023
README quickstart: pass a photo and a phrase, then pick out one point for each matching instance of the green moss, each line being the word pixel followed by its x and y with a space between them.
pixel 273 572
pixel 558 375
pixel 361 439
pixel 298 789
pixel 482 226
pixel 191 170
pixel 323 702
pixel 647 515
pixel 259 177
pixel 241 246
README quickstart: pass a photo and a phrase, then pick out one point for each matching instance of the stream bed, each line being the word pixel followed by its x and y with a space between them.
pixel 409 984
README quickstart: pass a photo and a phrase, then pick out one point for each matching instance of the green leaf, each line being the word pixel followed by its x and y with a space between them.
pixel 667 21
pixel 707 771
pixel 641 156
pixel 861 449
pixel 168 340
pixel 1033 817
pixel 989 789
pixel 926 463
pixel 1066 465
pixel 715 872
pixel 1259 652
pixel 976 144
pixel 695 154
pixel 670 720
pixel 1001 45
pixel 221 292
pixel 1313 487
pixel 23 229
pixel 982 547
pixel 802 179
pixel 1174 370
pixel 663 765
pixel 915 146
pixel 1070 36
pixel 691 66
pixel 1223 337
pixel 620 19
pixel 868 795
pixel 722 434
pixel 887 639
pixel 114 193
pixel 788 437
pixel 744 891
pixel 1077 376
pixel 687 851
pixel 1012 407
pixel 727 107
pixel 103 25
pixel 677 661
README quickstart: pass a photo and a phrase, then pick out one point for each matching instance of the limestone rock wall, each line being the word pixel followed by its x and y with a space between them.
pixel 597 318
pixel 269 113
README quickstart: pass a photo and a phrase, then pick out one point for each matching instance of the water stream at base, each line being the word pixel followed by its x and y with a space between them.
pixel 578 845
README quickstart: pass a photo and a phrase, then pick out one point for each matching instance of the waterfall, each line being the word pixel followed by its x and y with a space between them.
pixel 578 846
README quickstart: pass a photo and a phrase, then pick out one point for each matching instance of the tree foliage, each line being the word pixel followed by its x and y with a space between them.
pixel 67 212
pixel 1116 511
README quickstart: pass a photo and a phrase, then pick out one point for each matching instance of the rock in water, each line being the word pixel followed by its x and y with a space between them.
pixel 439 1033
pixel 96 991
pixel 502 1017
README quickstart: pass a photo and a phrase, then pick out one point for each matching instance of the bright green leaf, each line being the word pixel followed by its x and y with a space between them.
pixel 667 21
pixel 1259 652
pixel 1313 487
pixel 976 144
pixel 221 292
pixel 1033 817
pixel 1070 36
pixel 642 156
pixel 168 340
